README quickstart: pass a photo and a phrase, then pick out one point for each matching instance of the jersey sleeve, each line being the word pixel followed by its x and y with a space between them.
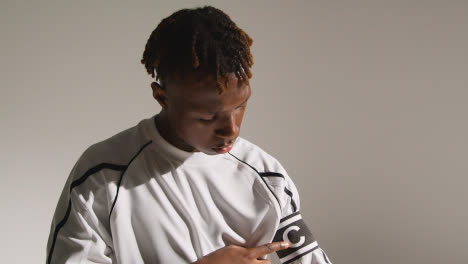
pixel 77 233
pixel 292 228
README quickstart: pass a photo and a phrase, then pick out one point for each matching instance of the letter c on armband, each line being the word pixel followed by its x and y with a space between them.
pixel 286 237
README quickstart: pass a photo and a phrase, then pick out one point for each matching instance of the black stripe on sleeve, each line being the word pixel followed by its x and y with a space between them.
pixel 325 256
pixel 78 182
pixel 73 185
pixel 289 216
pixel 288 192
pixel 293 204
pixel 271 174
pixel 259 174
pixel 95 170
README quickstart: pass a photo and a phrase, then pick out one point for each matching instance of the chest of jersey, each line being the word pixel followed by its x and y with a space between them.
pixel 168 213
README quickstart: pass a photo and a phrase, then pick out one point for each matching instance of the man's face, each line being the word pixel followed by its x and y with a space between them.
pixel 199 118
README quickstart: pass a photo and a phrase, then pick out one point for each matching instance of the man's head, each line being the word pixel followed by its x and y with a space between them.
pixel 202 61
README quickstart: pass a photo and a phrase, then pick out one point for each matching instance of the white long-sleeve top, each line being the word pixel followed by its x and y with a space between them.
pixel 135 198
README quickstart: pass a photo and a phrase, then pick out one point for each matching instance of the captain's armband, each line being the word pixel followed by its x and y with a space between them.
pixel 293 230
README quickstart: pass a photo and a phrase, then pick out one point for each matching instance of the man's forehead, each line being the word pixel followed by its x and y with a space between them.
pixel 201 101
pixel 194 86
pixel 205 97
pixel 194 92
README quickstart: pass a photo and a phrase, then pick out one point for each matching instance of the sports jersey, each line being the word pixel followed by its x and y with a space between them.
pixel 136 198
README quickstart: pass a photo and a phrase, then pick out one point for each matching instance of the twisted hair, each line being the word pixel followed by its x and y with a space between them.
pixel 203 39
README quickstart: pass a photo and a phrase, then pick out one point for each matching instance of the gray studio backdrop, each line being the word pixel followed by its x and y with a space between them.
pixel 363 102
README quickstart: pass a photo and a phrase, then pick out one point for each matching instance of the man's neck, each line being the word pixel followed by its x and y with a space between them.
pixel 165 130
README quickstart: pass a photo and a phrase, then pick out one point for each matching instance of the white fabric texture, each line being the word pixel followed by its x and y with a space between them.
pixel 135 198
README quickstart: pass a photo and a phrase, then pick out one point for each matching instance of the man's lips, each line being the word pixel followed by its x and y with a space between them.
pixel 224 145
pixel 224 148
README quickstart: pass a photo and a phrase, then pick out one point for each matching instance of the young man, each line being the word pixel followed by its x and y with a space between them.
pixel 182 186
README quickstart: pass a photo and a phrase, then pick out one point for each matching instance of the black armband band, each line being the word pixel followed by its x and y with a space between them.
pixel 292 229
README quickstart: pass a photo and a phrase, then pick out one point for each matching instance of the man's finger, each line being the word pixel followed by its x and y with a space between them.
pixel 267 249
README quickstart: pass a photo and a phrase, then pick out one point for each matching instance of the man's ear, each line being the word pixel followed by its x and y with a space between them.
pixel 159 93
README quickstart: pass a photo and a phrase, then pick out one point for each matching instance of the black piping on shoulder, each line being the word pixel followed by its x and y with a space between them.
pixel 123 173
pixel 259 174
pixel 78 182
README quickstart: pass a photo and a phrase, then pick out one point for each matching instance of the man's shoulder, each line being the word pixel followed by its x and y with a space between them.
pixel 117 149
pixel 255 156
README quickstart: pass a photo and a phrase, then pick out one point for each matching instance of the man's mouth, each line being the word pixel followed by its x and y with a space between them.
pixel 223 148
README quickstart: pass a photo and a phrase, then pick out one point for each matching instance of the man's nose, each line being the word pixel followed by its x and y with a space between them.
pixel 228 127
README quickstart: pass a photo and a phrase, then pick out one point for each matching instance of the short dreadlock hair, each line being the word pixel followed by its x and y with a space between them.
pixel 203 39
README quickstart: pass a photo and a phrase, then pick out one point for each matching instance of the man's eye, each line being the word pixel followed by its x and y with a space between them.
pixel 206 119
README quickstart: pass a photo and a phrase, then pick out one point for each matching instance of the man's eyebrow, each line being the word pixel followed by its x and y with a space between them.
pixel 211 112
pixel 244 101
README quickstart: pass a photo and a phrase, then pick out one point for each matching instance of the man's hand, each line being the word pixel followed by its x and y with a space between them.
pixel 239 255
